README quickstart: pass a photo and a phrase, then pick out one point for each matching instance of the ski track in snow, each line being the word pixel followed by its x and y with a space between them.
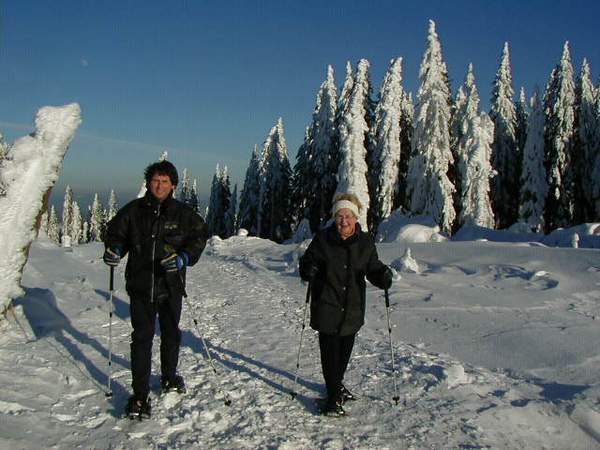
pixel 249 308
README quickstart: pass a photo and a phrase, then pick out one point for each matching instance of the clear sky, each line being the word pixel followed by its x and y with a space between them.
pixel 206 80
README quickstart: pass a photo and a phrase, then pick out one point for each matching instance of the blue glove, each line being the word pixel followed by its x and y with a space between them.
pixel 175 262
pixel 112 256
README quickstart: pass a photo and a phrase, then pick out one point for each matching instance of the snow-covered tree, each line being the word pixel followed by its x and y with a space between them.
pixel 53 226
pixel 3 152
pixel 76 225
pixel 274 212
pixel 302 195
pixel 97 220
pixel 184 188
pixel 505 151
pixel 325 152
pixel 354 135
pixel 230 214
pixel 219 203
pixel 559 105
pixel 85 232
pixel 344 98
pixel 595 181
pixel 428 186
pixel 522 116
pixel 67 217
pixel 589 142
pixel 387 149
pixel 533 175
pixel 473 166
pixel 248 209
pixel 193 199
pixel 407 114
pixel 113 206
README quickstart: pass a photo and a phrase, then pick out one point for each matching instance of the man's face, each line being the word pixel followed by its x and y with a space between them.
pixel 161 186
pixel 345 221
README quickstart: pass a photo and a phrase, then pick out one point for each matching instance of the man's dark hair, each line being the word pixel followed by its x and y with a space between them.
pixel 161 168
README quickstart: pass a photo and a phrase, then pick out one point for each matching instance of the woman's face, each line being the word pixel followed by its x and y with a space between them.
pixel 345 221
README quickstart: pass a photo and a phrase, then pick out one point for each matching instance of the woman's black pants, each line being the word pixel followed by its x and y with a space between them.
pixel 335 355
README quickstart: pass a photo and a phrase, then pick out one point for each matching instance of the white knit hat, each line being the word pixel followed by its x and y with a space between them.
pixel 341 204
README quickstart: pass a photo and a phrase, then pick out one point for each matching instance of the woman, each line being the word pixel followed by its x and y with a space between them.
pixel 336 263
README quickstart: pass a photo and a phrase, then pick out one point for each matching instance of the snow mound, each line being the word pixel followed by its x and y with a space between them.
pixel 406 263
pixel 401 227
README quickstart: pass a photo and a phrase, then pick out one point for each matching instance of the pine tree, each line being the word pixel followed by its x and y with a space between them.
pixel 248 210
pixel 428 186
pixel 355 141
pixel 85 232
pixel 67 217
pixel 407 113
pixel 302 180
pixel 193 200
pixel 559 105
pixel 214 215
pixel 533 176
pixel 76 225
pixel 184 189
pixel 325 153
pixel 595 157
pixel 521 115
pixel 53 228
pixel 473 164
pixel 230 214
pixel 589 142
pixel 112 206
pixel 505 152
pixel 387 151
pixel 97 220
pixel 274 212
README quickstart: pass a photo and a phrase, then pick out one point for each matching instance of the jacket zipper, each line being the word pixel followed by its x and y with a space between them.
pixel 154 232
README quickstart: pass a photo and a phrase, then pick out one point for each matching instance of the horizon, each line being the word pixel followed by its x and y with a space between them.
pixel 206 82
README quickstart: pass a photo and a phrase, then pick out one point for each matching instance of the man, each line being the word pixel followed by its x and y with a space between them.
pixel 161 236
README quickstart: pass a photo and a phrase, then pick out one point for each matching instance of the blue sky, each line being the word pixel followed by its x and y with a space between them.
pixel 206 80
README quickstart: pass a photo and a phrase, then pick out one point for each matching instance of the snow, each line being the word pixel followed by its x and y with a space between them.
pixel 495 343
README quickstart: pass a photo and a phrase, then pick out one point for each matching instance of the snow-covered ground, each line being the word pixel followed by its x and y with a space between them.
pixel 496 346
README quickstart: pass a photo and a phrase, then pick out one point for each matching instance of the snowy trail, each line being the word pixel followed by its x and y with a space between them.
pixel 248 303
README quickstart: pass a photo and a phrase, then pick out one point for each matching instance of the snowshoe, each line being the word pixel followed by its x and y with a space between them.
pixel 174 384
pixel 138 409
pixel 346 395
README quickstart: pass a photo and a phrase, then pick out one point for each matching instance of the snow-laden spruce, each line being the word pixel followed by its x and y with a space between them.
pixel 113 206
pixel 533 175
pixel 274 206
pixel 219 204
pixel 521 117
pixel 76 225
pixel 317 159
pixel 505 156
pixel 387 149
pixel 354 140
pixel 67 217
pixel 559 105
pixel 97 220
pixel 589 141
pixel 473 164
pixel 428 186
pixel 29 170
pixel 248 210
pixel 53 230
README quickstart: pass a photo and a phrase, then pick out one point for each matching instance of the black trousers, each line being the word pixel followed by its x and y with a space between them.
pixel 143 320
pixel 335 355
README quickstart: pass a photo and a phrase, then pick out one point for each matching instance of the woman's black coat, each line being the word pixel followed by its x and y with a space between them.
pixel 339 288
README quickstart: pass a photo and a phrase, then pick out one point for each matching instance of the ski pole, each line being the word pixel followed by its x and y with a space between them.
pixel 110 316
pixel 396 397
pixel 294 393
pixel 227 400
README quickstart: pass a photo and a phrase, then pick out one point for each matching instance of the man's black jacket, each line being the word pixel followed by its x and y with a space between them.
pixel 339 288
pixel 148 231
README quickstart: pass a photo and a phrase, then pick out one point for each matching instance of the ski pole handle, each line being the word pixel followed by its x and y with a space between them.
pixel 112 278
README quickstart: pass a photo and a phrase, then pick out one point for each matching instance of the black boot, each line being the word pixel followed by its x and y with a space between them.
pixel 138 408
pixel 346 395
pixel 333 407
pixel 172 384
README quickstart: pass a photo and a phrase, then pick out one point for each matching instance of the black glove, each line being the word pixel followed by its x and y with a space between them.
pixel 175 262
pixel 311 272
pixel 112 256
pixel 387 278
